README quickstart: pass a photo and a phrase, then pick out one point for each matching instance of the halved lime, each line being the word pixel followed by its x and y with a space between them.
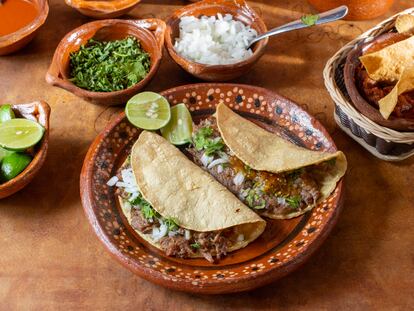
pixel 13 165
pixel 178 130
pixel 148 110
pixel 20 134
pixel 6 113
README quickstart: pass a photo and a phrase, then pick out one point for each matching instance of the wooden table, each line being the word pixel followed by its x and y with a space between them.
pixel 50 258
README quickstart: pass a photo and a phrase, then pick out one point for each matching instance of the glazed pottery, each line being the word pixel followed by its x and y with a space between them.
pixel 240 11
pixel 15 41
pixel 99 9
pixel 283 247
pixel 40 112
pixel 149 32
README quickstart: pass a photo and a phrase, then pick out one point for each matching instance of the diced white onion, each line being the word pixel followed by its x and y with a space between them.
pixel 172 233
pixel 240 238
pixel 205 159
pixel 158 233
pixel 238 179
pixel 281 201
pixel 112 181
pixel 220 169
pixel 187 234
pixel 217 162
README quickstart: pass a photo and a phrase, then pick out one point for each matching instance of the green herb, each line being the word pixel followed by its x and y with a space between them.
pixel 331 162
pixel 109 66
pixel 248 169
pixel 147 211
pixel 171 224
pixel 203 141
pixel 262 205
pixel 310 19
pixel 195 245
pixel 294 201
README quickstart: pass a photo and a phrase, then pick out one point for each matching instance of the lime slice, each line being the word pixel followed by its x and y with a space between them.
pixel 178 130
pixel 4 153
pixel 20 134
pixel 6 113
pixel 14 164
pixel 148 110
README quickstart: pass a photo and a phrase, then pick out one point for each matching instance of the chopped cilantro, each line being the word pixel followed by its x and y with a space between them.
pixel 195 245
pixel 147 211
pixel 310 19
pixel 294 201
pixel 171 224
pixel 203 141
pixel 262 205
pixel 331 162
pixel 109 66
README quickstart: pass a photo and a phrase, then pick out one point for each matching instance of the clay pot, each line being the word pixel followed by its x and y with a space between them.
pixel 40 112
pixel 358 9
pixel 241 12
pixel 15 41
pixel 103 9
pixel 150 33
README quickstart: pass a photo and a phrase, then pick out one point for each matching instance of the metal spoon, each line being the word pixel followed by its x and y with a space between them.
pixel 325 17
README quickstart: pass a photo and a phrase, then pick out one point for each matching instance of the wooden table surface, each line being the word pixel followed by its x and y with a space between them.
pixel 50 258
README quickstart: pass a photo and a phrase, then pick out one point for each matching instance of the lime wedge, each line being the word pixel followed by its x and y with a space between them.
pixel 6 113
pixel 4 153
pixel 20 134
pixel 13 165
pixel 148 110
pixel 178 130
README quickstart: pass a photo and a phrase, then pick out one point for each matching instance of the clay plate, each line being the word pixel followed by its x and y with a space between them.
pixel 350 76
pixel 103 9
pixel 40 112
pixel 17 40
pixel 284 245
pixel 240 11
pixel 150 33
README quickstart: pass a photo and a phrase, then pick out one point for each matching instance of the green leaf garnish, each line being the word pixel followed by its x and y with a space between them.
pixel 171 224
pixel 109 66
pixel 202 141
pixel 331 162
pixel 294 201
pixel 147 211
pixel 310 19
pixel 195 245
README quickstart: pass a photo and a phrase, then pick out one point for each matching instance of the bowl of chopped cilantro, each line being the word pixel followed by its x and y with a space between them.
pixel 107 62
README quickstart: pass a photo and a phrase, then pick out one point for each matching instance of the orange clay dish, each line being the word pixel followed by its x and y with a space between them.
pixel 102 8
pixel 15 14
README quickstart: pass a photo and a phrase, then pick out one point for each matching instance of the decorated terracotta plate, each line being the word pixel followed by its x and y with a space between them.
pixel 284 245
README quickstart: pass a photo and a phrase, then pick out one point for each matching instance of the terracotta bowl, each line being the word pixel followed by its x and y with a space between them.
pixel 284 246
pixel 352 64
pixel 15 41
pixel 240 11
pixel 150 33
pixel 40 112
pixel 103 9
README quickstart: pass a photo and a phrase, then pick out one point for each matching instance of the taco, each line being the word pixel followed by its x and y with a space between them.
pixel 274 177
pixel 178 207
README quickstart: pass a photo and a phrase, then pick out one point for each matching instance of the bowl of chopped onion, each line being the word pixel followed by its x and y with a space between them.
pixel 210 39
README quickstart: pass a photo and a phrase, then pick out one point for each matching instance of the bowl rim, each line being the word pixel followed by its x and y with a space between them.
pixel 64 83
pixel 358 100
pixel 40 155
pixel 216 286
pixel 29 28
pixel 78 5
pixel 177 14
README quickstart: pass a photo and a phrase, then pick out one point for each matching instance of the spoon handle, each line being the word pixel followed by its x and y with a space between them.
pixel 325 17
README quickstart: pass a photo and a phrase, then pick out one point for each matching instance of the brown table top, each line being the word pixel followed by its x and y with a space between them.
pixel 50 258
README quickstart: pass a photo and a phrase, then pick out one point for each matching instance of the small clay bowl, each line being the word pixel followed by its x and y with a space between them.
pixel 240 11
pixel 150 33
pixel 351 67
pixel 103 9
pixel 38 111
pixel 15 41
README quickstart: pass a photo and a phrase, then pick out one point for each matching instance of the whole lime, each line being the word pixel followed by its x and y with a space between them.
pixel 13 164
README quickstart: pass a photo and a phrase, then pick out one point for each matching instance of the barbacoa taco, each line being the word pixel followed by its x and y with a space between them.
pixel 178 207
pixel 274 177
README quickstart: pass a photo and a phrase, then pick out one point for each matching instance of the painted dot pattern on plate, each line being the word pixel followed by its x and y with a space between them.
pixel 263 107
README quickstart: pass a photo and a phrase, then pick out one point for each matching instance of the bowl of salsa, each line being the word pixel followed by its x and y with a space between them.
pixel 19 22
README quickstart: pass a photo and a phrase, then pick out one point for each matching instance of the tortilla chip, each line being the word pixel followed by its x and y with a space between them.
pixel 389 63
pixel 405 84
pixel 405 23
pixel 179 189
pixel 265 151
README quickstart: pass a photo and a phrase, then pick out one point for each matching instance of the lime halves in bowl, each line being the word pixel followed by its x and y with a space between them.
pixel 20 134
pixel 148 110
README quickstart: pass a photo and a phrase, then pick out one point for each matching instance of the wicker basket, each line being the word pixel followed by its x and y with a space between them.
pixel 384 143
